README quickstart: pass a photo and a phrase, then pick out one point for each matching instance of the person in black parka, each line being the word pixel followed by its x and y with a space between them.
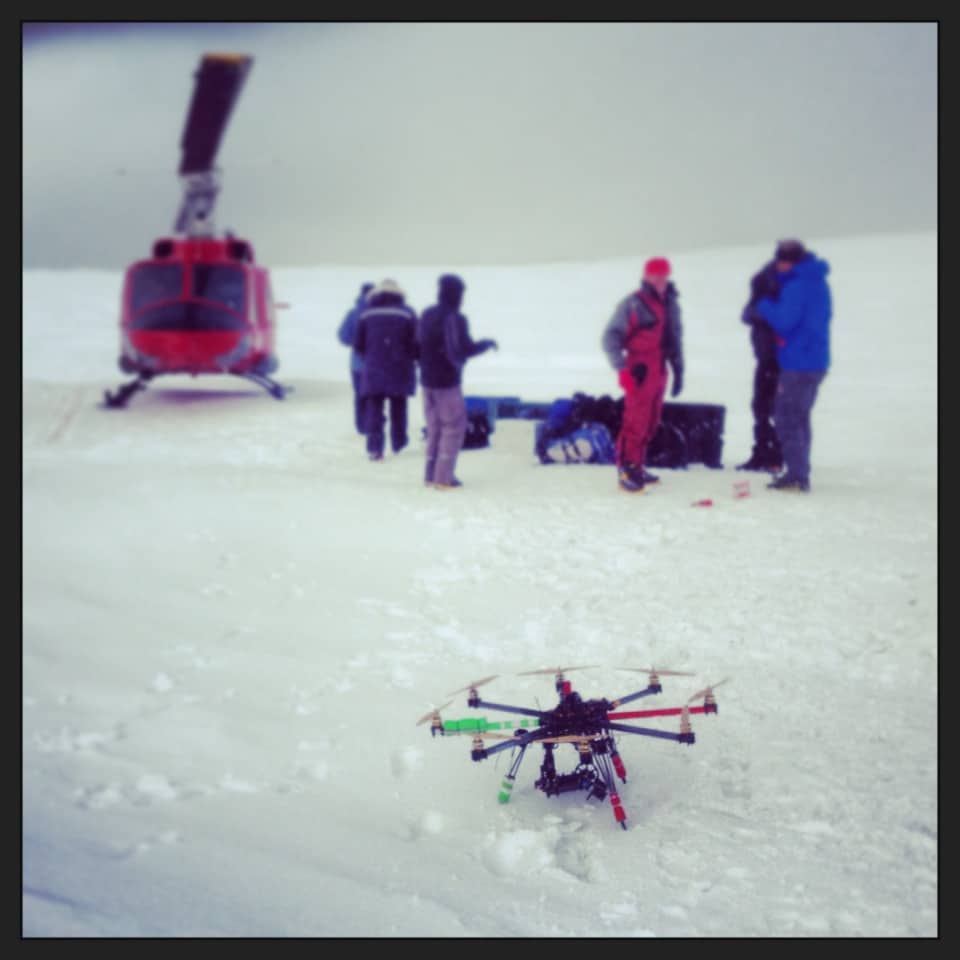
pixel 386 338
pixel 445 346
pixel 766 455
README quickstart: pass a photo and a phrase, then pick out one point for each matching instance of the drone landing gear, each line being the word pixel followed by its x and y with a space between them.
pixel 120 397
pixel 275 389
pixel 506 788
pixel 594 774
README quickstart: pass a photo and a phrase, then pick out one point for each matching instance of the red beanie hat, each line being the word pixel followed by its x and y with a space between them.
pixel 657 267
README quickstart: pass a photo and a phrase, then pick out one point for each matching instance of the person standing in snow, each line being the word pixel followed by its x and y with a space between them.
pixel 643 337
pixel 445 345
pixel 800 317
pixel 766 454
pixel 386 339
pixel 346 335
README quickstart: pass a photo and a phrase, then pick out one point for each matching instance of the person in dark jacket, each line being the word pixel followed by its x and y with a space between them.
pixel 644 337
pixel 445 345
pixel 766 454
pixel 346 334
pixel 386 339
pixel 800 317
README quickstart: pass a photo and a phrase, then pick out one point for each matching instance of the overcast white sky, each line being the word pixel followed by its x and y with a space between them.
pixel 369 143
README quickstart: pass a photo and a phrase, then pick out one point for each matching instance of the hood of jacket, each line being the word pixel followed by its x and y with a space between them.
pixel 451 290
pixel 809 269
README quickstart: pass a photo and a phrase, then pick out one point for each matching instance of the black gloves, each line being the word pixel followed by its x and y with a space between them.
pixel 677 379
pixel 488 344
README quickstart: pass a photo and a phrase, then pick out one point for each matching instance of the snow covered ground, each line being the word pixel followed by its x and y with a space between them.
pixel 232 621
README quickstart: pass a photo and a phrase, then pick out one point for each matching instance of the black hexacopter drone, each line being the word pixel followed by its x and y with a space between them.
pixel 587 724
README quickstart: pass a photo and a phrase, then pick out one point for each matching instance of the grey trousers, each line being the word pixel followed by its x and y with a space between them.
pixel 796 394
pixel 445 411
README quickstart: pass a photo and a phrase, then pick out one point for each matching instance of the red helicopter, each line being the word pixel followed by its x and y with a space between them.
pixel 588 725
pixel 200 303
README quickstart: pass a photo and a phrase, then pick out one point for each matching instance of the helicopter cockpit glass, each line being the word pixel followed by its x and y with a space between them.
pixel 155 283
pixel 223 284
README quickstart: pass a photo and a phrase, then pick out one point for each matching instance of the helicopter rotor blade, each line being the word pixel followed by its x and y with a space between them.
pixel 474 685
pixel 218 82
pixel 556 670
pixel 433 713
pixel 707 691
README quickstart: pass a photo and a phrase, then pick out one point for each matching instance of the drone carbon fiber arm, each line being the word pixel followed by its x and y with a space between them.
pixel 523 741
pixel 648 732
pixel 660 712
pixel 646 692
pixel 481 725
pixel 497 748
pixel 523 711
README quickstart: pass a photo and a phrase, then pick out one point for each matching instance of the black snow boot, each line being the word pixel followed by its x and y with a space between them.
pixel 765 461
pixel 630 478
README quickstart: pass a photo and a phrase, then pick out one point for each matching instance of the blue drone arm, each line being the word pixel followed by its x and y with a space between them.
pixel 648 732
pixel 653 688
pixel 523 711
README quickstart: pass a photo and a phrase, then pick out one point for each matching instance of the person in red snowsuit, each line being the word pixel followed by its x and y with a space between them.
pixel 644 337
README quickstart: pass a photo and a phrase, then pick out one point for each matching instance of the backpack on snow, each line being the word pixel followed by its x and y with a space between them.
pixel 589 443
pixel 578 430
pixel 479 424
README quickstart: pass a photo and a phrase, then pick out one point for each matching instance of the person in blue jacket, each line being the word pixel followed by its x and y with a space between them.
pixel 800 318
pixel 346 335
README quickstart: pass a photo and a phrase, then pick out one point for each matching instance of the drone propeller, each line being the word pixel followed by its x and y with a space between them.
pixel 433 714
pixel 474 685
pixel 558 671
pixel 654 671
pixel 707 692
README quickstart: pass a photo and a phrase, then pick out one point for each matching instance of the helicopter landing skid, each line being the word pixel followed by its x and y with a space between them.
pixel 120 397
pixel 275 389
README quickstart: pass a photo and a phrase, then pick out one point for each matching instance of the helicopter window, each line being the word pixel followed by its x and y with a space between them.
pixel 187 315
pixel 154 283
pixel 226 285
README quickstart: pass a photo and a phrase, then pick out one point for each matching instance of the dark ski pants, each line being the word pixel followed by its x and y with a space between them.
pixel 359 403
pixel 376 420
pixel 445 411
pixel 766 444
pixel 796 395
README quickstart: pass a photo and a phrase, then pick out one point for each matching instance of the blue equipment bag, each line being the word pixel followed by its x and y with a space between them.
pixel 589 443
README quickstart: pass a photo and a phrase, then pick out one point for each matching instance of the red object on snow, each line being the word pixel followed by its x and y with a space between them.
pixel 702 503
